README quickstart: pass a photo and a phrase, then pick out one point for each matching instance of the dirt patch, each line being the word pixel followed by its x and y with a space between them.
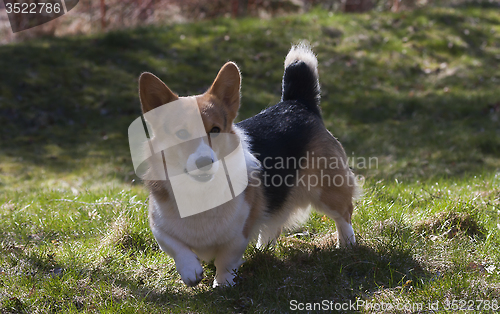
pixel 451 225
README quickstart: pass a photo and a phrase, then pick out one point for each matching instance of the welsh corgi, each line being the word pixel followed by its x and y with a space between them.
pixel 292 163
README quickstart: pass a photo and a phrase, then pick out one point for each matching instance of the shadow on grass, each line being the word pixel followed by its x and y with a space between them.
pixel 269 283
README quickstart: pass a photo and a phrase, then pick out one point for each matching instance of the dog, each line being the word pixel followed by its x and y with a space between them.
pixel 281 147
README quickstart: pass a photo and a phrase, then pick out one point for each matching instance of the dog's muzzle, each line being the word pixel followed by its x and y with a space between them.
pixel 204 165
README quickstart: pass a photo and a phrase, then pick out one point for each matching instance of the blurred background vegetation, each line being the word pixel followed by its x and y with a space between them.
pixel 92 16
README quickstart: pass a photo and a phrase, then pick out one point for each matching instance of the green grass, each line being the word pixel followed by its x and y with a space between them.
pixel 418 90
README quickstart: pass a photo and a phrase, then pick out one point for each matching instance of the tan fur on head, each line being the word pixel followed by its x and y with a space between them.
pixel 153 92
pixel 226 88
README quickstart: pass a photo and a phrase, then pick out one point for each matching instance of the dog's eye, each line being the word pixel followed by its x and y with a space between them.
pixel 182 134
pixel 214 131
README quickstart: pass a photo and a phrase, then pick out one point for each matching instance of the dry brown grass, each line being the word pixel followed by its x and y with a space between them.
pixel 452 224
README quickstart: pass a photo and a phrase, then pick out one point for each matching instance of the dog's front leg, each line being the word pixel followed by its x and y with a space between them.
pixel 186 262
pixel 228 260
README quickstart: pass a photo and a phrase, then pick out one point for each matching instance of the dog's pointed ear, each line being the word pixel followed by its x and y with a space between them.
pixel 153 92
pixel 226 87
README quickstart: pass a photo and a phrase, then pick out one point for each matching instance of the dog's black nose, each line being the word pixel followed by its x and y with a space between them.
pixel 204 163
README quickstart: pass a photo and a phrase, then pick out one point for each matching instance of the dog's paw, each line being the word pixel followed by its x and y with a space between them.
pixel 224 281
pixel 191 272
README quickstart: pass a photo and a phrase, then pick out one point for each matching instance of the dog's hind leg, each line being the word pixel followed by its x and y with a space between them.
pixel 345 232
pixel 336 203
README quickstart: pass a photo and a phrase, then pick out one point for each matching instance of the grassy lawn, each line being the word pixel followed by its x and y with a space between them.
pixel 417 90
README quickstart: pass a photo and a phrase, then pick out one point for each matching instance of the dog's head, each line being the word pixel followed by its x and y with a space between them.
pixel 189 126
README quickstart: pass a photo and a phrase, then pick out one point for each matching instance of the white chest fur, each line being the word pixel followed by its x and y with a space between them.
pixel 202 231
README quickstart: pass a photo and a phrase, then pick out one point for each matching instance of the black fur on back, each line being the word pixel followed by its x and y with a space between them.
pixel 283 130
